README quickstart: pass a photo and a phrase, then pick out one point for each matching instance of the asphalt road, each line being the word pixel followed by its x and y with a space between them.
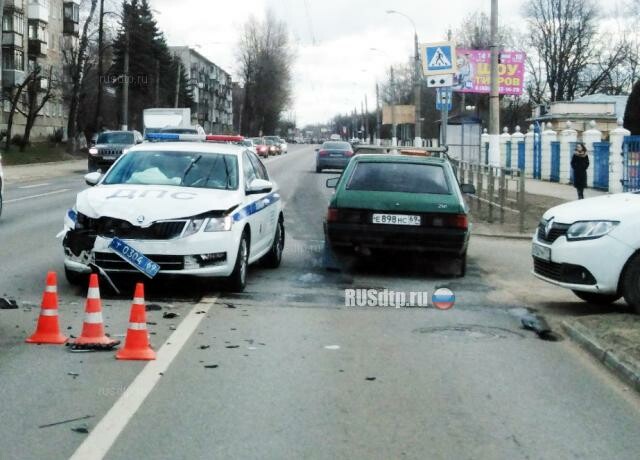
pixel 299 375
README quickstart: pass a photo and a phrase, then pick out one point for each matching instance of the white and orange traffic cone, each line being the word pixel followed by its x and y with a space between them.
pixel 136 344
pixel 93 327
pixel 48 328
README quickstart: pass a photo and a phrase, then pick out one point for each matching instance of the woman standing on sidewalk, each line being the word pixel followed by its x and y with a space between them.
pixel 580 164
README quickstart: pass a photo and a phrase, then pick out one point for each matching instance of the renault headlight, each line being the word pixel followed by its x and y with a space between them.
pixel 590 230
pixel 193 227
pixel 219 224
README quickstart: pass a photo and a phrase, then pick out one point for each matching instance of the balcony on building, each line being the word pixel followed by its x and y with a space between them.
pixel 71 18
pixel 38 48
pixel 37 44
pixel 15 5
pixel 38 10
pixel 11 78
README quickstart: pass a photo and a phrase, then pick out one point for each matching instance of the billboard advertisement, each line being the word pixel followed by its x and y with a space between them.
pixel 474 72
pixel 403 114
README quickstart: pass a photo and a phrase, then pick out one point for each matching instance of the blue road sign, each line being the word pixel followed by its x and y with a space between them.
pixel 444 96
pixel 439 58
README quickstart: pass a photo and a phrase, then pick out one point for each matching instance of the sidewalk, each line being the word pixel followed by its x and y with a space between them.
pixel 565 192
pixel 43 171
pixel 541 196
pixel 612 339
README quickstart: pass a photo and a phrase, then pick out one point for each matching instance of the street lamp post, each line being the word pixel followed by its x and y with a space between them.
pixel 417 80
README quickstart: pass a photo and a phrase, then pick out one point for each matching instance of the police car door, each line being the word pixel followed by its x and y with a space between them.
pixel 254 204
pixel 269 201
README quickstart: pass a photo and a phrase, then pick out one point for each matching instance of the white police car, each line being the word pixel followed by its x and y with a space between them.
pixel 205 209
pixel 593 248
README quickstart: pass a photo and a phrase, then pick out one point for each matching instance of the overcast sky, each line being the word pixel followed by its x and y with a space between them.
pixel 335 67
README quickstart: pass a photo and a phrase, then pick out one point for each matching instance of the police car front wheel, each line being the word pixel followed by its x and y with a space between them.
pixel 273 258
pixel 237 281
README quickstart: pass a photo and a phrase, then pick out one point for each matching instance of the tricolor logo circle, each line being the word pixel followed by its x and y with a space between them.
pixel 443 299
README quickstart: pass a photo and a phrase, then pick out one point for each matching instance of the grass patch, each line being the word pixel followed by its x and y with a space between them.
pixel 38 153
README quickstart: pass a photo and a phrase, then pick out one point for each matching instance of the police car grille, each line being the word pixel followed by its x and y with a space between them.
pixel 165 230
pixel 557 230
pixel 111 261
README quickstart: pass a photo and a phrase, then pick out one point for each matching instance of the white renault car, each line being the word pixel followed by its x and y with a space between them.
pixel 593 248
pixel 205 209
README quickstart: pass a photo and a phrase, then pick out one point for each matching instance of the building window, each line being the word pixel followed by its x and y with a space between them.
pixel 12 59
pixel 13 22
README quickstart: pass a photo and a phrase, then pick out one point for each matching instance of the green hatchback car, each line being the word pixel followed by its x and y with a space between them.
pixel 394 202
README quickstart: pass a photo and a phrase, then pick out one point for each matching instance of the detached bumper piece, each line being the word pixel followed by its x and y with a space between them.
pixel 563 273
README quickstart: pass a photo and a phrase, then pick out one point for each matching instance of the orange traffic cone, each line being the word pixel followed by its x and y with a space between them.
pixel 48 329
pixel 93 326
pixel 136 344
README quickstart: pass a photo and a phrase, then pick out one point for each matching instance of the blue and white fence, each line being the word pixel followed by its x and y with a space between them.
pixel 545 154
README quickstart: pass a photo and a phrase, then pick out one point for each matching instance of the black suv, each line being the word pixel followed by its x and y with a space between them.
pixel 109 146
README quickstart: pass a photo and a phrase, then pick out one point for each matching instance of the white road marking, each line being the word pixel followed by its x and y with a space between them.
pixel 34 186
pixel 24 198
pixel 106 432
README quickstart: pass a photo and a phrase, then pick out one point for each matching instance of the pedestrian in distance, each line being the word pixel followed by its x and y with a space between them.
pixel 580 164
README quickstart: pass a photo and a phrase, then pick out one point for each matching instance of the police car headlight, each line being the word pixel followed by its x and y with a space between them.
pixel 219 224
pixel 93 151
pixel 590 230
pixel 193 227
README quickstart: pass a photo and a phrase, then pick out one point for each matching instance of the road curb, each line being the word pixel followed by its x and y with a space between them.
pixel 628 372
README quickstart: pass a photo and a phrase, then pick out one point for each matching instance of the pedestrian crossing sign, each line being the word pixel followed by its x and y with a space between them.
pixel 438 58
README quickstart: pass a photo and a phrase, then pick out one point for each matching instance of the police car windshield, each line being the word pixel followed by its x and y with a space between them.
pixel 184 169
pixel 399 177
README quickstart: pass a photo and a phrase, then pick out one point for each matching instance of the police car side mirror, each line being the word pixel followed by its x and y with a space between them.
pixel 93 178
pixel 259 186
pixel 468 189
pixel 333 182
pixel 317 150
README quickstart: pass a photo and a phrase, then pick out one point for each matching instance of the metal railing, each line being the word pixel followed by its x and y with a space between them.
pixel 499 189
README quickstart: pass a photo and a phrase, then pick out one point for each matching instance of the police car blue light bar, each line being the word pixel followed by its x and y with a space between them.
pixel 194 137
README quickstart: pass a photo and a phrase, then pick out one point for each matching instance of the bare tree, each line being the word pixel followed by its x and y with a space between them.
pixel 78 68
pixel 39 90
pixel 475 33
pixel 15 99
pixel 266 58
pixel 563 32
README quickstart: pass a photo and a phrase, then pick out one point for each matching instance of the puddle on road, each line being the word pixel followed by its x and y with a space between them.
pixel 470 332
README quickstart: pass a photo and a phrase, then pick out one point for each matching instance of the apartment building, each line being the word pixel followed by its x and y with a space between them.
pixel 212 91
pixel 37 32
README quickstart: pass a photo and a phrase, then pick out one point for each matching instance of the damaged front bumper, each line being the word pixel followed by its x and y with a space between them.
pixel 200 255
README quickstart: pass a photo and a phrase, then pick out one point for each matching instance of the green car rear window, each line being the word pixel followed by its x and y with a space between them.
pixel 399 177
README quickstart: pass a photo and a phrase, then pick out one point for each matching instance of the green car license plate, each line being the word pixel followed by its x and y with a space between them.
pixel 397 219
